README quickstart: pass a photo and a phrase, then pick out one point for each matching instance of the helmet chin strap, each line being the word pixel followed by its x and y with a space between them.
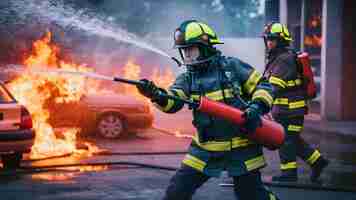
pixel 198 61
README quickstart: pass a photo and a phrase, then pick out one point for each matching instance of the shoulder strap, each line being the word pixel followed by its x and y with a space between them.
pixel 230 73
pixel 299 65
pixel 189 81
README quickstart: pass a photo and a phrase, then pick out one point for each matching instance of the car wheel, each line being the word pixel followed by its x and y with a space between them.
pixel 111 125
pixel 11 161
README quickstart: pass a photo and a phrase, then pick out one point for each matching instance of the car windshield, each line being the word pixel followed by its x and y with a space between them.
pixel 5 97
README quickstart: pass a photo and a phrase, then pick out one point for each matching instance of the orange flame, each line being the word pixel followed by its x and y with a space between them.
pixel 44 53
pixel 315 21
pixel 39 92
pixel 72 172
pixel 313 41
pixel 133 71
pixel 163 80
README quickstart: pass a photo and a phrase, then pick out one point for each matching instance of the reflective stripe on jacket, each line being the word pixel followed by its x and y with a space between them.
pixel 282 72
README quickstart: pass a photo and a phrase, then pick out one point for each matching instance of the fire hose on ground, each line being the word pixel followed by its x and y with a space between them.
pixel 110 153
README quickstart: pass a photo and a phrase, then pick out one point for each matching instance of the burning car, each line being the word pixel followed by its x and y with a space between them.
pixel 16 133
pixel 63 105
pixel 106 115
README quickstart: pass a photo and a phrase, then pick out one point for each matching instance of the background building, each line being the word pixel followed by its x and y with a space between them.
pixel 324 29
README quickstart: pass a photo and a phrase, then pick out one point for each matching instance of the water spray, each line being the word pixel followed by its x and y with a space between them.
pixel 69 18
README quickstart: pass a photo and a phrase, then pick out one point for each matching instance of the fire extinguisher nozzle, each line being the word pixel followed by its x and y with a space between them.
pixel 123 80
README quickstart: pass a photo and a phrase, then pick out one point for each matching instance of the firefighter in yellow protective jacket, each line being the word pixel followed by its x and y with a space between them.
pixel 218 145
pixel 289 106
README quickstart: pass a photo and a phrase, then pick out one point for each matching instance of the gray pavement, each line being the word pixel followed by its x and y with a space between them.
pixel 130 184
pixel 120 182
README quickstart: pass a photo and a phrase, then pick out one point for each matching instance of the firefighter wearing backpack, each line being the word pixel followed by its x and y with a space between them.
pixel 284 71
pixel 219 144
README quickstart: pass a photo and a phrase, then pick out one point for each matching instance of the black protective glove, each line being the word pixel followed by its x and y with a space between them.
pixel 150 90
pixel 252 115
pixel 147 88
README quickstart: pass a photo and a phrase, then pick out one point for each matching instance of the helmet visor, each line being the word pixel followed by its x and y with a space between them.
pixel 190 54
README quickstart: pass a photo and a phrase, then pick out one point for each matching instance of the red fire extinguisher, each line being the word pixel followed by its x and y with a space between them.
pixel 270 134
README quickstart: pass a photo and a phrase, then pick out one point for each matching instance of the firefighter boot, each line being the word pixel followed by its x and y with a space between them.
pixel 318 168
pixel 287 176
